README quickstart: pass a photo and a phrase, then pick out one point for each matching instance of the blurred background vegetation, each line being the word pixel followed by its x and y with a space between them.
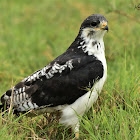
pixel 33 33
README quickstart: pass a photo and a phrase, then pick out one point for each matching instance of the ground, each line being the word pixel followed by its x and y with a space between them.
pixel 33 33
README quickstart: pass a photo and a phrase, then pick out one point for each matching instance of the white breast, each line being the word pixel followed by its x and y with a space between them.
pixel 82 104
pixel 70 113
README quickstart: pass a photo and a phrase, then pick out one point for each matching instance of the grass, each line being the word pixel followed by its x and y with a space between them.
pixel 33 33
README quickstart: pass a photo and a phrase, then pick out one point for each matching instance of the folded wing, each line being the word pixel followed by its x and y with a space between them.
pixel 59 83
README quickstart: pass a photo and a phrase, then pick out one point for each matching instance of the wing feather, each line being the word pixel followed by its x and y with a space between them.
pixel 58 83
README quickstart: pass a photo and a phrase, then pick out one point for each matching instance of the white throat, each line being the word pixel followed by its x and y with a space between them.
pixel 94 45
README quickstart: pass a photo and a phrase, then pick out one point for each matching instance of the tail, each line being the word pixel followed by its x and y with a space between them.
pixel 4 106
pixel 1 108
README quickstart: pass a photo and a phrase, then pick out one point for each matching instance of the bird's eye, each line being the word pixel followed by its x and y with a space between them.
pixel 93 23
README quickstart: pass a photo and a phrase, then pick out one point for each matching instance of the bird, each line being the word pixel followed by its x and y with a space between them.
pixel 71 83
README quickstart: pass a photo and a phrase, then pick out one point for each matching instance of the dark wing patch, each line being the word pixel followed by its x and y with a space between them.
pixel 23 91
pixel 65 88
pixel 59 83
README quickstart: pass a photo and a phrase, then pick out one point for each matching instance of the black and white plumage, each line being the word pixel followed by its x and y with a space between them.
pixel 62 84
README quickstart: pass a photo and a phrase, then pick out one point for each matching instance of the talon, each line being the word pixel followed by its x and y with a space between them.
pixel 76 135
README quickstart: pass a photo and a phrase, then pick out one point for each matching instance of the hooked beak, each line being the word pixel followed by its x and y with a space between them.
pixel 104 26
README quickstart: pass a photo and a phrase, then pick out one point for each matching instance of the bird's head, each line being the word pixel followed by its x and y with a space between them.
pixel 94 27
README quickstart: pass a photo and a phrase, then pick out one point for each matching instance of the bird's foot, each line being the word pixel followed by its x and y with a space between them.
pixel 76 136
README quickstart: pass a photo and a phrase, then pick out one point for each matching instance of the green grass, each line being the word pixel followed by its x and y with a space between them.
pixel 33 33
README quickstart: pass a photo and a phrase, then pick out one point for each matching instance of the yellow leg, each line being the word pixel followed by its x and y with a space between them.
pixel 77 135
pixel 76 131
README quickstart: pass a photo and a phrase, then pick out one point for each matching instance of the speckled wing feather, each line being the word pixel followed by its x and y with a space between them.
pixel 61 82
